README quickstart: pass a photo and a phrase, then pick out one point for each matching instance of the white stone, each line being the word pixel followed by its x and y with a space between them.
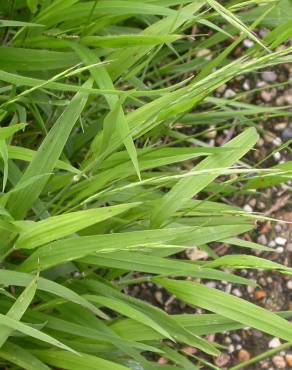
pixel 246 85
pixel 250 289
pixel 269 76
pixel 248 43
pixel 277 156
pixel 211 284
pixel 274 343
pixel 228 340
pixel 277 141
pixel 196 254
pixel 262 239
pixel 261 84
pixel 229 93
pixel 248 208
pixel 289 284
pixel 279 362
pixel 203 53
pixel 280 241
pixel 237 292
pixel 231 348
pixel 228 288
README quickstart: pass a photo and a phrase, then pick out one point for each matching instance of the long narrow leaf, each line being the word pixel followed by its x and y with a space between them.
pixel 19 308
pixel 189 187
pixel 47 155
pixel 229 306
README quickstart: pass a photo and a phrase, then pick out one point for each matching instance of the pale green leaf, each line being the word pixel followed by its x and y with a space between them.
pixel 186 188
pixel 229 306
pixel 56 227
pixel 18 308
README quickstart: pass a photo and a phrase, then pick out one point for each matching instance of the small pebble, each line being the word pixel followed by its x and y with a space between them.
pixel 211 134
pixel 277 141
pixel 274 343
pixel 236 337
pixel 279 362
pixel 280 100
pixel 266 96
pixel 159 297
pixel 278 228
pixel 250 289
pixel 280 241
pixel 287 134
pixel 211 284
pixel 248 208
pixel 288 98
pixel 248 43
pixel 253 202
pixel 195 254
pixel 257 334
pixel 228 340
pixel 262 239
pixel 77 274
pixel 260 294
pixel 190 350
pixel 261 84
pixel 203 53
pixel 277 156
pixel 289 284
pixel 288 358
pixel 211 337
pixel 280 249
pixel 228 288
pixel 222 359
pixel 261 205
pixel 162 361
pixel 269 76
pixel 229 93
pixel 243 355
pixel 272 244
pixel 280 126
pixel 246 85
pixel 237 292
pixel 269 137
pixel 231 348
pixel 222 88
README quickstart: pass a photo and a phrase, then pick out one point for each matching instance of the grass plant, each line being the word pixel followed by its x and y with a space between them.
pixel 104 182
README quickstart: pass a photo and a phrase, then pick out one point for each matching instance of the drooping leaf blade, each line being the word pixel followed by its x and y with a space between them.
pixel 229 306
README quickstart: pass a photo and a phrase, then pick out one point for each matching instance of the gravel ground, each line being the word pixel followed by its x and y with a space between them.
pixel 275 290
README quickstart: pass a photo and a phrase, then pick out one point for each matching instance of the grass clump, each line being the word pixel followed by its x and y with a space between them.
pixel 101 180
